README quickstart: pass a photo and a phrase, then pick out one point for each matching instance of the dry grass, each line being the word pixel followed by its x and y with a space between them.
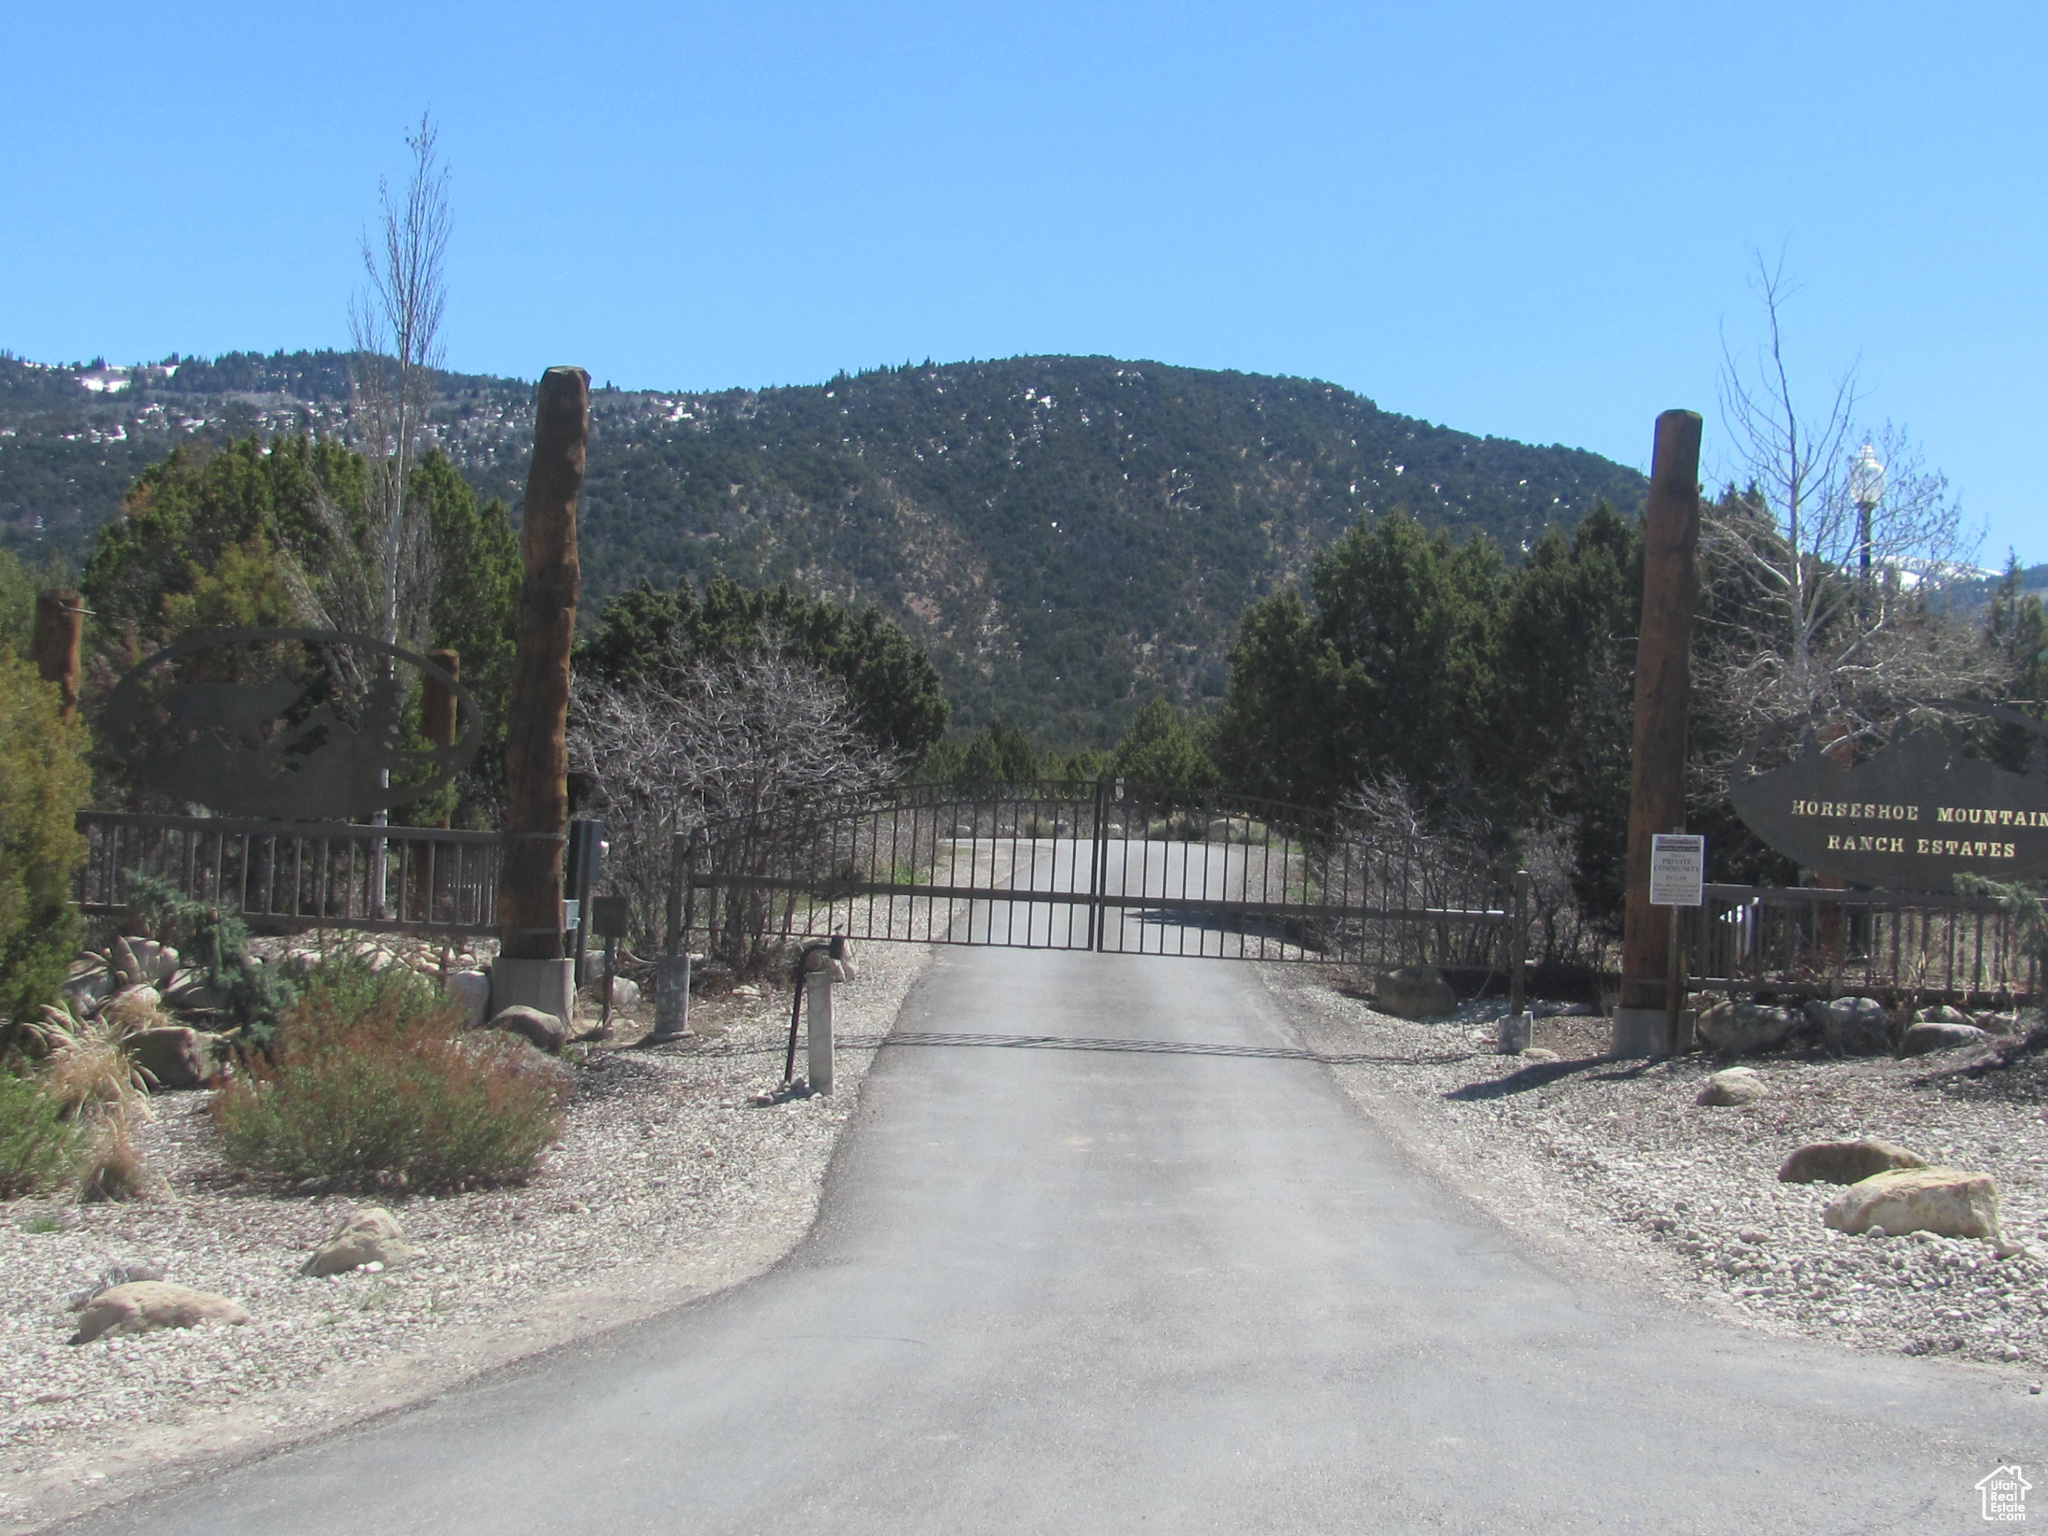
pixel 102 1094
pixel 114 1170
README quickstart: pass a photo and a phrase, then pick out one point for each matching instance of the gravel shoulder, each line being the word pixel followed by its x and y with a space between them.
pixel 1612 1171
pixel 672 1181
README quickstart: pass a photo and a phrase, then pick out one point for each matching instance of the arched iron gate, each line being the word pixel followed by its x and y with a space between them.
pixel 1090 865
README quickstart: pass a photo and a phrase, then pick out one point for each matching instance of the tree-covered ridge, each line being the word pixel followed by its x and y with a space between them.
pixel 1068 536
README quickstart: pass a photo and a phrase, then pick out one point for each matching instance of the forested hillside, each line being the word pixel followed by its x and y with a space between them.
pixel 1068 536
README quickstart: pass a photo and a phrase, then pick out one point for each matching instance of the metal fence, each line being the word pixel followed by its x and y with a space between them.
pixel 1086 865
pixel 1888 944
pixel 286 877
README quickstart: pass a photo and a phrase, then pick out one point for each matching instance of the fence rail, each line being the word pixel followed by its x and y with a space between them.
pixel 1888 944
pixel 283 877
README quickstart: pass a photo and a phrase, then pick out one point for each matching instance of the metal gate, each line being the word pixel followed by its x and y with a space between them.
pixel 1100 866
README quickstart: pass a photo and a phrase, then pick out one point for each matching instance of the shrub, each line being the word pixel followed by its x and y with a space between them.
pixel 39 1148
pixel 216 945
pixel 371 1083
pixel 43 784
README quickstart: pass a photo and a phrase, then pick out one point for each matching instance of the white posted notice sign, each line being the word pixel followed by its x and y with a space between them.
pixel 1678 869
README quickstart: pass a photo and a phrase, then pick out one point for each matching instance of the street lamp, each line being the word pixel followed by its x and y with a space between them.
pixel 1866 489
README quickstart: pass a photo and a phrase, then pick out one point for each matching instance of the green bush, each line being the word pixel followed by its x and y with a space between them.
pixel 39 1148
pixel 44 783
pixel 372 1084
pixel 253 997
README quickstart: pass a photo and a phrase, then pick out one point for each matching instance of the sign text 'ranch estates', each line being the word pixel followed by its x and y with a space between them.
pixel 1910 817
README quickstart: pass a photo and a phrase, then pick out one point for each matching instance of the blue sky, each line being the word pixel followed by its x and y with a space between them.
pixel 1535 221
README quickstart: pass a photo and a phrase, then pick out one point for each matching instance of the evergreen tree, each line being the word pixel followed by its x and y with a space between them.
pixel 1163 751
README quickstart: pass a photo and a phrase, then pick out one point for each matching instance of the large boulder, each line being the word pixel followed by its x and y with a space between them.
pixel 370 1235
pixel 144 962
pixel 88 982
pixel 1416 992
pixel 1742 1029
pixel 534 1026
pixel 1737 1085
pixel 192 990
pixel 174 1056
pixel 1941 1013
pixel 1855 1026
pixel 1923 1039
pixel 1946 1201
pixel 1846 1162
pixel 145 1304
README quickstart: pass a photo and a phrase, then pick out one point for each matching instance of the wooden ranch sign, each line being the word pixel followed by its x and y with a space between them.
pixel 1912 817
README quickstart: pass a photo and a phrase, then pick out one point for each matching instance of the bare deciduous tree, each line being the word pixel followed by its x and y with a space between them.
pixel 707 742
pixel 1826 582
pixel 395 327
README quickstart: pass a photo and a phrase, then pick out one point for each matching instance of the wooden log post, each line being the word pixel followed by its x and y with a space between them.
pixel 437 729
pixel 1671 536
pixel 59 626
pixel 536 742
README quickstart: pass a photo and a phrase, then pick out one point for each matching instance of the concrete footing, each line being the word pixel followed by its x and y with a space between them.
pixel 1641 1032
pixel 671 997
pixel 549 985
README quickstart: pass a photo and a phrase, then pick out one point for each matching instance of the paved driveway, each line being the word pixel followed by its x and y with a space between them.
pixel 1100 1254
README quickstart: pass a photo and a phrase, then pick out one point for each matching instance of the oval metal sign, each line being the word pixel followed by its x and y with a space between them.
pixel 284 724
pixel 1910 817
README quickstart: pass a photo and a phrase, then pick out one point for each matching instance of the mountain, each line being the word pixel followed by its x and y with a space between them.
pixel 1069 535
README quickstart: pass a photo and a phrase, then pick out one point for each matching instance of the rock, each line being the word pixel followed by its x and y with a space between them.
pixel 471 991
pixel 145 1304
pixel 1946 1201
pixel 529 1059
pixel 142 962
pixel 370 1235
pixel 841 970
pixel 1737 1085
pixel 88 982
pixel 533 1026
pixel 1744 1028
pixel 625 991
pixel 1855 1026
pixel 174 1056
pixel 1846 1162
pixel 1941 1013
pixel 1415 992
pixel 1923 1039
pixel 191 989
pixel 1536 1053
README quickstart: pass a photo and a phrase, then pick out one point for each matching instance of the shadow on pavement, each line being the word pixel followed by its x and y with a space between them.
pixel 1141 1047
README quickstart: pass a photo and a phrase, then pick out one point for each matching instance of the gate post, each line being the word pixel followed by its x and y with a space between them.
pixel 1098 858
pixel 59 625
pixel 1671 535
pixel 1514 1028
pixel 531 966
pixel 672 967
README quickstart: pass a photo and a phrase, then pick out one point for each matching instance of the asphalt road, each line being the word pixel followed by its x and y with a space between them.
pixel 1100 1253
